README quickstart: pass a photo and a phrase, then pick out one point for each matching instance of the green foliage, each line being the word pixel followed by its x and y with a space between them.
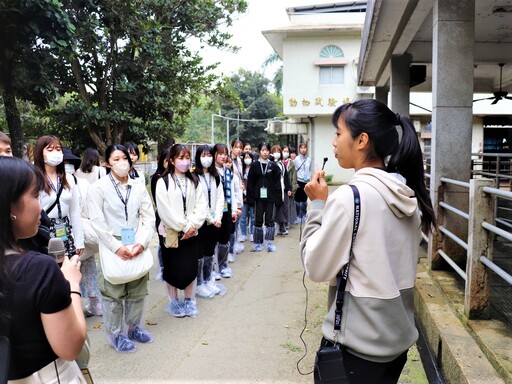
pixel 123 67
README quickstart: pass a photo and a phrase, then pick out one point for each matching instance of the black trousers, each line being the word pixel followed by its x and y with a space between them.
pixel 264 212
pixel 361 371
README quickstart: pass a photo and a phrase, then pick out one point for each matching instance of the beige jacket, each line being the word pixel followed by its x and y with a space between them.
pixel 378 318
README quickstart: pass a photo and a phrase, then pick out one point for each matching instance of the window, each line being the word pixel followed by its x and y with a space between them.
pixel 331 63
pixel 332 75
pixel 331 51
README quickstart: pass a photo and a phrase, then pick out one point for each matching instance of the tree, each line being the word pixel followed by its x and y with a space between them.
pixel 31 33
pixel 258 103
pixel 132 75
pixel 277 80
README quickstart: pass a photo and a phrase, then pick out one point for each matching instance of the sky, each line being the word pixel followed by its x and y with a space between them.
pixel 246 30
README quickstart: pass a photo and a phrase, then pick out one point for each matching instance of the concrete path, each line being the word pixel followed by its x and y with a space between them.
pixel 250 335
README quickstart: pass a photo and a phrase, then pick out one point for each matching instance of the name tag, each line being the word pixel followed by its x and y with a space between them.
pixel 263 193
pixel 61 231
pixel 225 206
pixel 127 235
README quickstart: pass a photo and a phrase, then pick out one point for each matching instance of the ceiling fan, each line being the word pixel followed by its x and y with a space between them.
pixel 498 95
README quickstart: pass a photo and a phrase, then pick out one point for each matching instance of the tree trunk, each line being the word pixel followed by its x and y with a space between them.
pixel 12 114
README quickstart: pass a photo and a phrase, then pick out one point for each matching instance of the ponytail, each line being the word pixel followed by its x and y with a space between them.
pixel 407 160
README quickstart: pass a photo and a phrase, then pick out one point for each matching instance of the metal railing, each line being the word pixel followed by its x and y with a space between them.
pixel 483 225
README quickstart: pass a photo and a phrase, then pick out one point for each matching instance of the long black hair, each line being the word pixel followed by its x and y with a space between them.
pixel 90 159
pixel 18 177
pixel 405 157
pixel 175 152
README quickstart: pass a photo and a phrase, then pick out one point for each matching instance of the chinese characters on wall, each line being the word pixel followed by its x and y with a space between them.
pixel 319 101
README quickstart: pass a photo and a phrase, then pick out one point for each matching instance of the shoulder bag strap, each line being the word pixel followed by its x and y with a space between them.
pixel 342 276
pixel 56 200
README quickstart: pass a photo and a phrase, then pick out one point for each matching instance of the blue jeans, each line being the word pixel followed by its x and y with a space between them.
pixel 247 214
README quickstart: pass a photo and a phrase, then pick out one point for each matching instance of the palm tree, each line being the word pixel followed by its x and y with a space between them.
pixel 277 80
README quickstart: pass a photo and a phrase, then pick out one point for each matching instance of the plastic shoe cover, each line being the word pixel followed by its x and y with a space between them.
pixel 231 257
pixel 122 344
pixel 242 238
pixel 216 275
pixel 191 308
pixel 257 248
pixel 93 308
pixel 159 275
pixel 226 272
pixel 222 288
pixel 140 335
pixel 213 287
pixel 271 247
pixel 176 308
pixel 239 248
pixel 203 291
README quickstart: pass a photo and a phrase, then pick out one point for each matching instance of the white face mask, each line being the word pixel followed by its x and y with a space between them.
pixel 247 161
pixel 276 155
pixel 286 155
pixel 206 162
pixel 121 169
pixel 69 168
pixel 54 158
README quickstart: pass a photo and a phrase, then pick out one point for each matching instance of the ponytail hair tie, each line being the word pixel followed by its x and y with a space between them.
pixel 398 119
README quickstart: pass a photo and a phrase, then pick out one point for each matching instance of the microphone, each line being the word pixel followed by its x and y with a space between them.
pixel 325 161
pixel 56 249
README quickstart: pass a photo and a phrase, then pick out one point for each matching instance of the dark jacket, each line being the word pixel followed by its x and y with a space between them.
pixel 271 180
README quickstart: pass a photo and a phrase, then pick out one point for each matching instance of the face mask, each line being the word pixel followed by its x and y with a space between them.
pixel 121 169
pixel 69 168
pixel 206 161
pixel 285 155
pixel 247 161
pixel 276 155
pixel 182 165
pixel 54 158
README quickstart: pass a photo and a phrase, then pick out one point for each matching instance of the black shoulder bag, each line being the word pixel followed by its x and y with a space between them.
pixel 329 366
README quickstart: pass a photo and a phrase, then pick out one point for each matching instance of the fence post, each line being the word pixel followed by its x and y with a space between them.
pixel 477 295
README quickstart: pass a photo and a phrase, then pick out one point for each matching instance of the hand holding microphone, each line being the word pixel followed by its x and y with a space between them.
pixel 317 188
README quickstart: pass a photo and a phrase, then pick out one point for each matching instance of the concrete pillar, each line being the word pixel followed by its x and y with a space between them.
pixel 400 84
pixel 452 118
pixel 477 297
pixel 381 94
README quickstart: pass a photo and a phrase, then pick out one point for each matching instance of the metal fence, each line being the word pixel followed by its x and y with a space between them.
pixel 484 222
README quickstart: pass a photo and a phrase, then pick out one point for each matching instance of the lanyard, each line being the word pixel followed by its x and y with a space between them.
pixel 125 200
pixel 56 189
pixel 209 187
pixel 183 191
pixel 263 172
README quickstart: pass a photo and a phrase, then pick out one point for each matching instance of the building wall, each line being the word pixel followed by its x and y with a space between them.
pixel 302 93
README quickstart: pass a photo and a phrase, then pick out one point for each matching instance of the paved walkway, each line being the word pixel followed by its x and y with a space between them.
pixel 250 335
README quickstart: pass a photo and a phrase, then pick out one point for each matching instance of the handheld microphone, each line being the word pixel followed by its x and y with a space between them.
pixel 56 249
pixel 325 161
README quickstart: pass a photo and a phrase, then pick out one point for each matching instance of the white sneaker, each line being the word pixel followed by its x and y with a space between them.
pixel 242 238
pixel 216 275
pixel 252 237
pixel 226 273
pixel 231 258
pixel 204 292
pixel 212 286
pixel 238 248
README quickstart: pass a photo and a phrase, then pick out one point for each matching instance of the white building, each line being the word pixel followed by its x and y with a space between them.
pixel 319 50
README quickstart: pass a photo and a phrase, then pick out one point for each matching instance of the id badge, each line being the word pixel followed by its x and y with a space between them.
pixel 61 231
pixel 127 236
pixel 263 193
pixel 225 206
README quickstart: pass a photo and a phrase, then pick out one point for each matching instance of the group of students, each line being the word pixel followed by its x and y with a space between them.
pixel 197 209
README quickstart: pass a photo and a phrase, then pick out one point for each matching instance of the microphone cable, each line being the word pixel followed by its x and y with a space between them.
pixel 305 316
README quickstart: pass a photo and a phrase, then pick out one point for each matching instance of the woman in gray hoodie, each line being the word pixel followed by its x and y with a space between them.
pixel 377 324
